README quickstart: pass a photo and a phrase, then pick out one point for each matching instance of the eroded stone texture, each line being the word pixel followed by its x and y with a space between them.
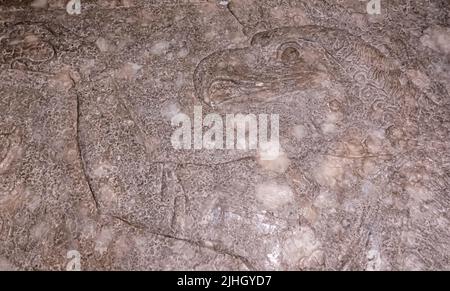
pixel 361 181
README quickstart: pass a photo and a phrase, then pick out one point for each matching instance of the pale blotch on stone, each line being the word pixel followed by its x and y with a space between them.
pixel 57 4
pixel 71 153
pixel 180 81
pixel 107 4
pixel 413 263
pixel 374 262
pixel 309 212
pixel 11 153
pixel 6 265
pixel 299 132
pixel 63 80
pixel 129 71
pixel 103 44
pixel 180 248
pixel 122 247
pixel 183 52
pixel 264 226
pixel 108 196
pixel 39 230
pixel 274 257
pixel 160 48
pixel 88 229
pixel 329 172
pixel 419 193
pixel 410 238
pixel 418 78
pixel 278 165
pixel 151 143
pixel 369 189
pixel 30 39
pixel 128 3
pixel 102 169
pixel 302 249
pixel 368 167
pixel 170 110
pixel 437 38
pixel 34 201
pixel 210 35
pixel 39 4
pixel 272 158
pixel 326 200
pixel 330 125
pixel 375 142
pixel 353 148
pixel 273 195
pixel 103 240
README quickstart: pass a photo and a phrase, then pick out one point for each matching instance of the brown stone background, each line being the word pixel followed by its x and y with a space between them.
pixel 86 161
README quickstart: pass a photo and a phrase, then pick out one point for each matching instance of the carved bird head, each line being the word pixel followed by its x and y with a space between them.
pixel 277 62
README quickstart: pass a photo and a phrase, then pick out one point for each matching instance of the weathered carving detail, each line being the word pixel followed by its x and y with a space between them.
pixel 362 181
pixel 291 59
pixel 25 45
pixel 10 149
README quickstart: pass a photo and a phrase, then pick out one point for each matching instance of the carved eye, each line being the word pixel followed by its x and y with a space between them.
pixel 261 39
pixel 290 55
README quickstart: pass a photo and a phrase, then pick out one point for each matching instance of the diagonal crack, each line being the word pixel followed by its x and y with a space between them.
pixel 228 7
pixel 80 154
pixel 197 243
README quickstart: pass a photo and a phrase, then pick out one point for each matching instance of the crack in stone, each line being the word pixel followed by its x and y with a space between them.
pixel 183 164
pixel 80 154
pixel 228 7
pixel 196 243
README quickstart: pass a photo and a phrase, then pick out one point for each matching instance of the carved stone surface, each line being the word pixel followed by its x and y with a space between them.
pixel 87 164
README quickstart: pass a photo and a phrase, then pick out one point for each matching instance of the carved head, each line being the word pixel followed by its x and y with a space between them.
pixel 277 62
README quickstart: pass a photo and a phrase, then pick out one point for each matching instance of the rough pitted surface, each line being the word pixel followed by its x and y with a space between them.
pixel 87 164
